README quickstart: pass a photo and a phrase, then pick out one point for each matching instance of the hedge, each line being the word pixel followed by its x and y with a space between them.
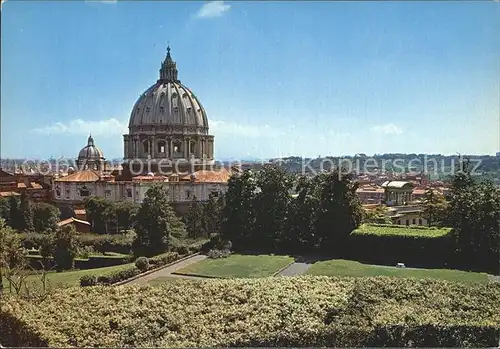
pixel 97 261
pixel 389 245
pixel 117 276
pixel 292 312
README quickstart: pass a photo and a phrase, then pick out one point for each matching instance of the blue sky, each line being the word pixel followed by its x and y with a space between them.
pixel 276 78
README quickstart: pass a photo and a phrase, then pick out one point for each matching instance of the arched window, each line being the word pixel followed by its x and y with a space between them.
pixel 192 147
pixel 177 146
pixel 161 147
pixel 145 146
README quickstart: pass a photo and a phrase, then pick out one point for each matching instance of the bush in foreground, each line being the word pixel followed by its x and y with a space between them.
pixel 142 263
pixel 301 311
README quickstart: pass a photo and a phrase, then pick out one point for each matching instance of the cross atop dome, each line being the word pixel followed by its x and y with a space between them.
pixel 90 141
pixel 168 70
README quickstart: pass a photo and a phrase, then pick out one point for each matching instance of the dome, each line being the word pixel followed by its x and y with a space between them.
pixel 90 151
pixel 168 103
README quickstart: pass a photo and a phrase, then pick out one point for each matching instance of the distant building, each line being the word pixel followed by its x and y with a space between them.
pixel 371 194
pixel 398 192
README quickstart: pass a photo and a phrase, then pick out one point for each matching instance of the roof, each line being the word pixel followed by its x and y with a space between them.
pixel 149 178
pixel 8 193
pixel 21 185
pixel 71 221
pixel 219 176
pixel 82 176
pixel 80 211
pixel 397 184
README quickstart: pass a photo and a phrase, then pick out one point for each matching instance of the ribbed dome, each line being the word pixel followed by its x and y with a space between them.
pixel 168 102
pixel 90 151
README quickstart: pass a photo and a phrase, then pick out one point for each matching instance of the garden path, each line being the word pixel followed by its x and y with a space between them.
pixel 167 272
pixel 294 269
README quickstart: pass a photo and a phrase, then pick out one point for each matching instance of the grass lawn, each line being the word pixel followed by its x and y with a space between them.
pixel 66 278
pixel 251 266
pixel 340 267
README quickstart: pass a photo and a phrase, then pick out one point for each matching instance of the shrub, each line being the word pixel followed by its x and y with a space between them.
pixel 214 254
pixel 163 259
pixel 142 263
pixel 88 280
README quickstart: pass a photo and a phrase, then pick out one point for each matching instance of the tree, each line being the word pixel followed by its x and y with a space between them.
pixel 271 203
pixel 66 211
pixel 45 217
pixel 377 216
pixel 65 247
pixel 13 261
pixel 475 218
pixel 340 210
pixel 95 208
pixel 120 216
pixel 4 209
pixel 212 215
pixel 15 217
pixel 26 211
pixel 156 224
pixel 194 219
pixel 238 217
pixel 301 230
pixel 435 207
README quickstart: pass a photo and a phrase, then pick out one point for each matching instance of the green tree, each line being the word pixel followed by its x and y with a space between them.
pixel 301 228
pixel 13 261
pixel 475 217
pixel 26 211
pixel 65 247
pixel 194 219
pixel 45 217
pixel 435 207
pixel 212 215
pixel 96 208
pixel 238 217
pixel 15 216
pixel 271 202
pixel 4 209
pixel 340 210
pixel 120 216
pixel 156 224
pixel 377 216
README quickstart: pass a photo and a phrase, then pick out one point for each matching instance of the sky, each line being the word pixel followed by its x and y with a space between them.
pixel 275 78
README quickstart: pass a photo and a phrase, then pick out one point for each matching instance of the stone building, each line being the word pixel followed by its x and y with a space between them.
pixel 90 157
pixel 168 128
pixel 398 192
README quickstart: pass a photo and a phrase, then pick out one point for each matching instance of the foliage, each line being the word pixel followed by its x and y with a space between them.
pixel 194 220
pixel 474 215
pixel 163 259
pixel 415 246
pixel 402 230
pixel 212 215
pixel 13 262
pixel 4 209
pixel 88 280
pixel 95 208
pixel 15 215
pixel 142 263
pixel 26 212
pixel 377 216
pixel 285 312
pixel 156 223
pixel 65 247
pixel 45 217
pixel 435 208
pixel 214 254
pixel 119 216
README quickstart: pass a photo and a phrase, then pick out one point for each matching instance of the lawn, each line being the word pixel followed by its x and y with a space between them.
pixel 234 266
pixel 66 278
pixel 401 230
pixel 340 267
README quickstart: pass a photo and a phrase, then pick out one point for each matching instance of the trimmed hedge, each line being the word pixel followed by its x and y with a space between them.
pixel 388 245
pixel 287 312
pixel 97 261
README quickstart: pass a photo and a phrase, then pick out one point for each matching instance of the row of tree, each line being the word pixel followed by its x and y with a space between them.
pixel 23 215
pixel 109 217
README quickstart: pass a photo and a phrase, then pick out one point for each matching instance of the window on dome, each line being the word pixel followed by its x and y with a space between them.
pixel 145 145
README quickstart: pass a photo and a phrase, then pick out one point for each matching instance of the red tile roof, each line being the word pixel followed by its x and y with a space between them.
pixel 70 221
pixel 206 176
pixel 8 193
pixel 82 176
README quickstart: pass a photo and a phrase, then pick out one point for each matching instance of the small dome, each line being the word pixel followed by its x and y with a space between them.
pixel 90 151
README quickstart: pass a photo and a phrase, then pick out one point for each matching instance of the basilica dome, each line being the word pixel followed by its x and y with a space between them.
pixel 90 151
pixel 168 102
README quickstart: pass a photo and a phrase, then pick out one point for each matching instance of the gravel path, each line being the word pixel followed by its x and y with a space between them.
pixel 167 272
pixel 295 269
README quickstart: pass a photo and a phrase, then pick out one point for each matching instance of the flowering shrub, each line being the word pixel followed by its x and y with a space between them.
pixel 299 311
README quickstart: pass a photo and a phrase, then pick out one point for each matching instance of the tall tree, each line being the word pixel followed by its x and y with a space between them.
pixel 4 209
pixel 435 207
pixel 65 247
pixel 239 212
pixel 194 219
pixel 475 218
pixel 156 224
pixel 340 210
pixel 120 216
pixel 271 202
pixel 95 208
pixel 45 217
pixel 212 215
pixel 15 216
pixel 26 211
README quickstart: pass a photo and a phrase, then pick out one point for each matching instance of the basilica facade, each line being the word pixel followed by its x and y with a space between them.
pixel 168 143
